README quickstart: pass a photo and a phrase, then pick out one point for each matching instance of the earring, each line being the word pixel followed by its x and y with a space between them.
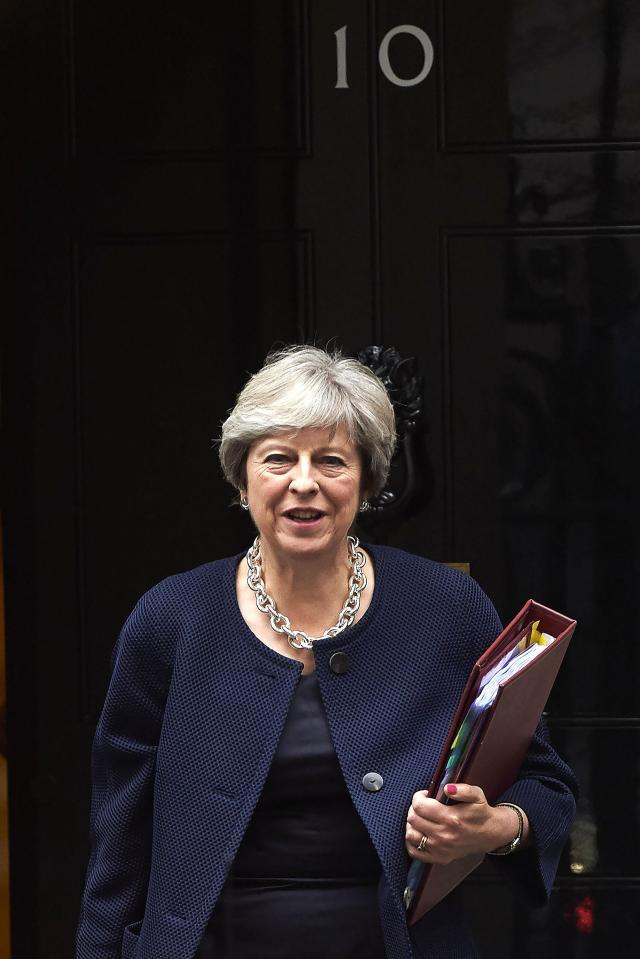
pixel 244 502
pixel 365 505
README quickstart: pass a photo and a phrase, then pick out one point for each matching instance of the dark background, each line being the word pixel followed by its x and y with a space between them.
pixel 185 187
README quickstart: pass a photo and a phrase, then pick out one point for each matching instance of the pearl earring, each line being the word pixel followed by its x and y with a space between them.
pixel 244 502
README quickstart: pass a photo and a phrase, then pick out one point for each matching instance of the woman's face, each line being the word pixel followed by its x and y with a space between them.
pixel 304 490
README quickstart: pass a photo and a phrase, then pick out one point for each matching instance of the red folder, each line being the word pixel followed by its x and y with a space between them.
pixel 494 760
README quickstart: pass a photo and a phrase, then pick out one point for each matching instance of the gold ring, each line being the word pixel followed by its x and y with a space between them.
pixel 422 845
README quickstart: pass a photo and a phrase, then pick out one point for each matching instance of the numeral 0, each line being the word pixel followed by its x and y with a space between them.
pixel 383 56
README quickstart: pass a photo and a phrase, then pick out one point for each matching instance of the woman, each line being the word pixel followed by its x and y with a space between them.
pixel 273 718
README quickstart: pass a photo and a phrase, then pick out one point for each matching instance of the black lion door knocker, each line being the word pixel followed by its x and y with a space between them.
pixel 410 484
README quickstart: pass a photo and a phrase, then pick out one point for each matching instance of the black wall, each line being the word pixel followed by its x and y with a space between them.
pixel 187 188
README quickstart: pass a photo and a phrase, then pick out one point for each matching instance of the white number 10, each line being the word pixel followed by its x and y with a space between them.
pixel 383 56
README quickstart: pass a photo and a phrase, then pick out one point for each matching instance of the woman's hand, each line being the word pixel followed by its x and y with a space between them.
pixel 468 825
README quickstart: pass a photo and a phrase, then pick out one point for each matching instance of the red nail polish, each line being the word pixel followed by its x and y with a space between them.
pixel 451 789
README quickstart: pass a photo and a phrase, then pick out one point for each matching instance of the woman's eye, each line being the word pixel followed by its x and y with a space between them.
pixel 276 458
pixel 333 461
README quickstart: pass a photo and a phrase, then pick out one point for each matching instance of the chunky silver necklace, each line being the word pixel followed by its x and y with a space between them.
pixel 281 623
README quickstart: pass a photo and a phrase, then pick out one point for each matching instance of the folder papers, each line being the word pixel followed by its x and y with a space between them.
pixel 526 648
pixel 491 731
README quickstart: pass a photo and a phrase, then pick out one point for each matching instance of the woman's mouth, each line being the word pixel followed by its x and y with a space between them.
pixel 304 517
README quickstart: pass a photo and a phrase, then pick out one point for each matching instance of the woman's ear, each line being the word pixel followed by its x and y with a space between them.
pixel 365 486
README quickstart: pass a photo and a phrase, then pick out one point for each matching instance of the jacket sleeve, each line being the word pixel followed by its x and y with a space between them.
pixel 547 791
pixel 122 767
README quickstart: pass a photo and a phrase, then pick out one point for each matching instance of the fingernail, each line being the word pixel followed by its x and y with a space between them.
pixel 451 789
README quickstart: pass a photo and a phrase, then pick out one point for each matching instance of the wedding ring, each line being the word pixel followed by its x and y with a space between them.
pixel 422 845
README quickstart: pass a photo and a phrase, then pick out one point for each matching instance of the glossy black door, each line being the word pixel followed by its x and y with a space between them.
pixel 193 185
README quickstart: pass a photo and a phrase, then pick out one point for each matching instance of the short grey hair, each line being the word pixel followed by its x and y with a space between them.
pixel 305 386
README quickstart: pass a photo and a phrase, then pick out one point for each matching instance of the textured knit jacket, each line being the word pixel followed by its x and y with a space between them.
pixel 191 722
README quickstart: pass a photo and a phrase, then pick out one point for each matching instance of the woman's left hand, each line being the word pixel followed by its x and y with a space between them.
pixel 467 825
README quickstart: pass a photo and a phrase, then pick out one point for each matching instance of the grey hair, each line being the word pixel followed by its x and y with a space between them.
pixel 304 386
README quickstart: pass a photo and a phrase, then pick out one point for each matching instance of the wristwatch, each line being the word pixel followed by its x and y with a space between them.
pixel 514 844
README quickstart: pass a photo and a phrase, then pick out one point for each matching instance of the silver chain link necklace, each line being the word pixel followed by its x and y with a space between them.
pixel 281 623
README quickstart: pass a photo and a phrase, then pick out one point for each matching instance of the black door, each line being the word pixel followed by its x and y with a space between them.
pixel 194 183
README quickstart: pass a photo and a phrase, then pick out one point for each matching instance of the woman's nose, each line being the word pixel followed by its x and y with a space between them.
pixel 303 480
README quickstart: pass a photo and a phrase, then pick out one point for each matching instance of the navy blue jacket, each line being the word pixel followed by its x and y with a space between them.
pixel 191 722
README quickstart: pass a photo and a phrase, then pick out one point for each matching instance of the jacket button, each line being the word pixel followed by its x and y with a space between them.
pixel 339 663
pixel 372 782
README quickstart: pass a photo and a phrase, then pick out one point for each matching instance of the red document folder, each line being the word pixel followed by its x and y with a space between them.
pixel 494 760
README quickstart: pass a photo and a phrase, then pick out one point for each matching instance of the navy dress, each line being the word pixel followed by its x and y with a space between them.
pixel 304 881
